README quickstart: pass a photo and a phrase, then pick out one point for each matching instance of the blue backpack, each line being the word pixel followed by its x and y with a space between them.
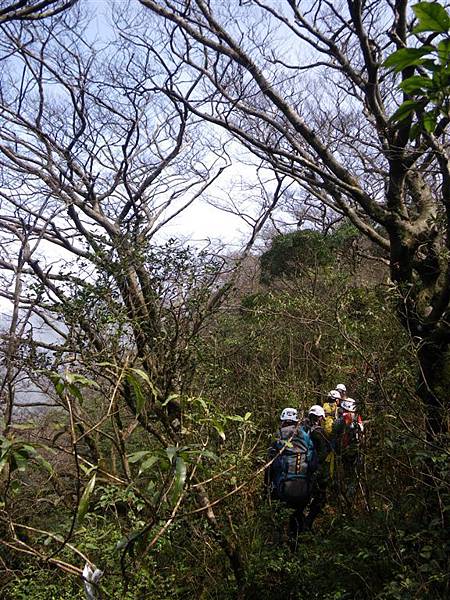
pixel 295 459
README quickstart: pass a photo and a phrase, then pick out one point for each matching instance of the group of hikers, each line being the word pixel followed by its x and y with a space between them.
pixel 302 458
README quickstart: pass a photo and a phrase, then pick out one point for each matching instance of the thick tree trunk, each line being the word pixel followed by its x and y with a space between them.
pixel 434 385
pixel 433 388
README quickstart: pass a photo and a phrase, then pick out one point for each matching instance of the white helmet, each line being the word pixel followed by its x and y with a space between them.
pixel 317 411
pixel 334 394
pixel 349 405
pixel 341 387
pixel 289 414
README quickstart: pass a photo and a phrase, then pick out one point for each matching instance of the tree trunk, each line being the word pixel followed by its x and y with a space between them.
pixel 434 385
pixel 226 543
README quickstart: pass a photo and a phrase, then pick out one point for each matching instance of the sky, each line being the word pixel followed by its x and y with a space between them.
pixel 201 221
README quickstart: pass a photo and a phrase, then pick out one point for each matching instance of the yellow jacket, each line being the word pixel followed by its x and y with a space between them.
pixel 330 409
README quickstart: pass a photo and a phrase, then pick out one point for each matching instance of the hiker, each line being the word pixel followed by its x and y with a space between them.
pixel 323 449
pixel 331 407
pixel 349 427
pixel 349 430
pixel 289 475
pixel 342 390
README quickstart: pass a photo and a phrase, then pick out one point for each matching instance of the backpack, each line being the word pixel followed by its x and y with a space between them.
pixel 295 459
pixel 353 429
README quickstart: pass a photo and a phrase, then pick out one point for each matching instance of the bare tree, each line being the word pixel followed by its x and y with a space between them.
pixel 301 85
pixel 32 10
pixel 91 172
pixel 93 169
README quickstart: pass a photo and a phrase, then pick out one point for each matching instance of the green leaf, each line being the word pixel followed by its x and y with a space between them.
pixel 87 470
pixel 416 84
pixel 84 502
pixel 209 454
pixel 432 16
pixel 441 81
pixel 23 453
pixel 147 379
pixel 6 444
pixel 429 121
pixel 4 461
pixel 404 110
pixel 76 378
pixel 142 374
pixel 407 57
pixel 414 131
pixel 138 394
pixel 18 460
pixel 180 475
pixel 140 399
pixel 219 428
pixel 44 463
pixel 169 398
pixel 146 464
pixel 444 50
pixel 75 391
pixel 27 450
pixel 137 456
pixel 203 405
pixel 15 486
pixel 171 452
pixel 60 387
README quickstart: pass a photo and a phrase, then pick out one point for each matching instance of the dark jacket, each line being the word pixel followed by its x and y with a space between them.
pixel 322 446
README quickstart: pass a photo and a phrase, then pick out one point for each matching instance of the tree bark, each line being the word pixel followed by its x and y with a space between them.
pixel 432 385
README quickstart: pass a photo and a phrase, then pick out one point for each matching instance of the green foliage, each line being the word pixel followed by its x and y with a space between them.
pixel 432 18
pixel 71 383
pixel 43 585
pixel 84 500
pixel 284 346
pixel 291 252
pixel 100 539
pixel 135 378
pixel 429 91
pixel 294 253
pixel 18 455
pixel 288 347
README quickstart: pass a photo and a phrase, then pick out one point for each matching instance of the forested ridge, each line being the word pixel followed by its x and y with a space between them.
pixel 143 374
pixel 285 343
